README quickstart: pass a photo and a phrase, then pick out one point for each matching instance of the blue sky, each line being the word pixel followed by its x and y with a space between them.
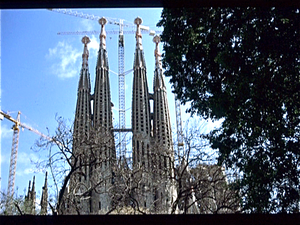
pixel 40 72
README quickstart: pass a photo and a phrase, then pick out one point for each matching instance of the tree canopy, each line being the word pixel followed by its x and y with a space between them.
pixel 243 65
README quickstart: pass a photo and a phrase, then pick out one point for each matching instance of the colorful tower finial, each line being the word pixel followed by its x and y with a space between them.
pixel 138 21
pixel 157 54
pixel 102 22
pixel 85 55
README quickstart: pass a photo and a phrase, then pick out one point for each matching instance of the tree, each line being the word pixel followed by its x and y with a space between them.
pixel 203 187
pixel 242 65
pixel 77 176
pixel 16 205
pixel 200 185
pixel 71 161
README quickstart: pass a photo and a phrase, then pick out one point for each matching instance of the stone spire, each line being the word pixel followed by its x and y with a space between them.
pixel 162 135
pixel 29 191
pixel 84 80
pixel 138 21
pixel 139 60
pixel 44 198
pixel 102 100
pixel 161 121
pixel 82 121
pixel 33 184
pixel 157 54
pixel 140 117
pixel 85 56
pixel 30 198
pixel 102 36
pixel 141 125
pixel 104 148
pixel 33 189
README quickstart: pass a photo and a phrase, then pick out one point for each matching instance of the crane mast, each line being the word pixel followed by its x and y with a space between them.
pixel 13 157
pixel 122 123
pixel 14 148
pixel 180 143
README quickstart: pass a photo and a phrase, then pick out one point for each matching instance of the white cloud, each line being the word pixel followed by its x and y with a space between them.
pixel 93 46
pixel 126 86
pixel 52 52
pixel 67 57
pixel 28 171
pixel 90 25
pixel 27 158
pixel 27 161
pixel 6 132
pixel 3 159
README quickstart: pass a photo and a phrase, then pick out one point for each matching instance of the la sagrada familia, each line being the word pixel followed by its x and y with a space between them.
pixel 101 182
pixel 148 182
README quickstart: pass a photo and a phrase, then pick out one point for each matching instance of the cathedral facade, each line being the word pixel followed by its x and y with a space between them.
pixel 101 182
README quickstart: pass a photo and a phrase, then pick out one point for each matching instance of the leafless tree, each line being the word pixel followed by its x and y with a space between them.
pixel 202 185
pixel 16 205
pixel 78 174
pixel 67 166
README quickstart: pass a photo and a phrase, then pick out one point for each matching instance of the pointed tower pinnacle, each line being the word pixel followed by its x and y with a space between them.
pixel 102 54
pixel 157 54
pixel 140 122
pixel 102 99
pixel 85 56
pixel 33 184
pixel 28 192
pixel 83 107
pixel 139 60
pixel 104 148
pixel 30 198
pixel 33 196
pixel 44 198
pixel 141 126
pixel 138 21
pixel 161 120
pixel 82 122
pixel 102 22
pixel 159 81
pixel 84 81
pixel 46 177
pixel 162 134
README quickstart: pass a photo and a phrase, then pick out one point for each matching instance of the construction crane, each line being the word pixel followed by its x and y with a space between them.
pixel 180 143
pixel 151 32
pixel 122 117
pixel 14 149
pixel 113 21
pixel 121 74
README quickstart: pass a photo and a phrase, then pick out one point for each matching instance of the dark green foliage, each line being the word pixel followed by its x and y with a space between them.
pixel 243 65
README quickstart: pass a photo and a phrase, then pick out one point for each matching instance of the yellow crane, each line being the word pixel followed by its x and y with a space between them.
pixel 14 148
